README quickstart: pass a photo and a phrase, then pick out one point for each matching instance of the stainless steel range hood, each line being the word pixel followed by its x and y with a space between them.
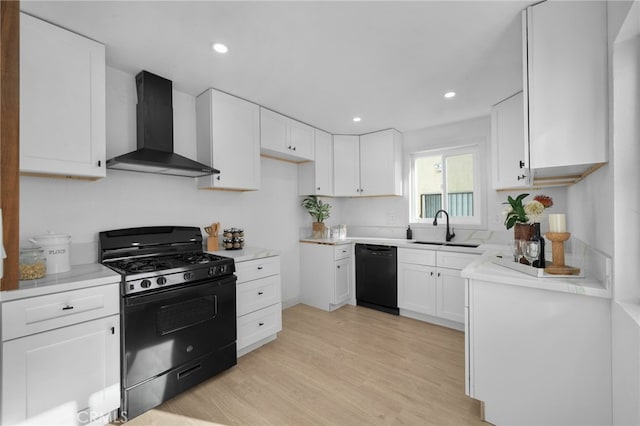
pixel 155 134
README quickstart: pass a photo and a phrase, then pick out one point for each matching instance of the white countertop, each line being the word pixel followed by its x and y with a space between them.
pixel 80 276
pixel 485 270
pixel 397 242
pixel 247 253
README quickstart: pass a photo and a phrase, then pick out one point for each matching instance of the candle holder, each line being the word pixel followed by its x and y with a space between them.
pixel 558 266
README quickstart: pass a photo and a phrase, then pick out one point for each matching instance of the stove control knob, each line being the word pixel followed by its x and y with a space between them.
pixel 145 283
pixel 187 276
pixel 212 271
pixel 161 281
pixel 223 269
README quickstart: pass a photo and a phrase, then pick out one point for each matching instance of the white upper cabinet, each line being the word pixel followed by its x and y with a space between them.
pixel 381 163
pixel 565 63
pixel 228 138
pixel 283 137
pixel 510 153
pixel 368 165
pixel 346 165
pixel 316 178
pixel 62 102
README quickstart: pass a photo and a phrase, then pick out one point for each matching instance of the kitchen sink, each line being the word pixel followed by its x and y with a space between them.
pixel 470 245
pixel 450 244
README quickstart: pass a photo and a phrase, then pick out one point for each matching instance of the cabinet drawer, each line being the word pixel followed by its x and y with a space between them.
pixel 259 324
pixel 342 251
pixel 34 315
pixel 257 294
pixel 417 257
pixel 455 260
pixel 259 268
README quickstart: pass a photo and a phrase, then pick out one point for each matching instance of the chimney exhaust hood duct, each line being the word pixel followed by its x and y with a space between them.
pixel 155 154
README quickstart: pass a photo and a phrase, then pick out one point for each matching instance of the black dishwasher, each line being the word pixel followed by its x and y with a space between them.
pixel 376 277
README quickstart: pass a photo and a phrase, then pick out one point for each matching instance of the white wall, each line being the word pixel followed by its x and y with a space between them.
pixel 392 213
pixel 271 216
pixel 623 181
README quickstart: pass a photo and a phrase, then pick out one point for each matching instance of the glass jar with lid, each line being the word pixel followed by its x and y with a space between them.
pixel 33 263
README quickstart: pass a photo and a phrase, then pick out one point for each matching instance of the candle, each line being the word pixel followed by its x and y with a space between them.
pixel 557 223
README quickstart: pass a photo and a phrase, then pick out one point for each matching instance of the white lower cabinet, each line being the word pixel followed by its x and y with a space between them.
pixel 537 356
pixel 68 370
pixel 430 287
pixel 417 287
pixel 450 291
pixel 258 302
pixel 326 272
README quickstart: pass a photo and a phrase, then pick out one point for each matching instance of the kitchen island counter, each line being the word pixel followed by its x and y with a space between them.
pixel 595 282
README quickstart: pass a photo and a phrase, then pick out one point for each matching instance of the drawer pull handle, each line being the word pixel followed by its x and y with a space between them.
pixel 113 330
pixel 338 266
pixel 66 308
pixel 260 293
pixel 259 267
pixel 260 324
pixel 431 273
pixel 188 371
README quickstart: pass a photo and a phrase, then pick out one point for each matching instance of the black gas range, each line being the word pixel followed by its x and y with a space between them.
pixel 150 258
pixel 178 312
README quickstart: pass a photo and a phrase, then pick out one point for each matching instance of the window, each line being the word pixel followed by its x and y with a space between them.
pixel 446 179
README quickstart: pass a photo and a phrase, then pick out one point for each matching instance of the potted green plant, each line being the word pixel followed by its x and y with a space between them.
pixel 319 211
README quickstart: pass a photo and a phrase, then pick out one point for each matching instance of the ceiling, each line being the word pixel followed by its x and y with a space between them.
pixel 320 62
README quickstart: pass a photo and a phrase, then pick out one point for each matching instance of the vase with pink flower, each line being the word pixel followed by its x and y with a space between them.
pixel 521 216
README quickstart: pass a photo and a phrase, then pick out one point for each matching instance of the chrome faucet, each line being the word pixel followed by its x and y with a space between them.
pixel 451 234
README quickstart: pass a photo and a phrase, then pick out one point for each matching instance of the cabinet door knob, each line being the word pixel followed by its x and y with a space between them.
pixel 318 188
pixel 438 273
pixel 260 293
pixel 113 330
pixel 259 267
pixel 522 177
pixel 99 163
pixel 218 177
pixel 338 266
pixel 260 324
pixel 431 273
pixel 521 164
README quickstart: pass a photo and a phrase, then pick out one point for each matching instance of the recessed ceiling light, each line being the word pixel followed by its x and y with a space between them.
pixel 357 119
pixel 220 48
pixel 450 95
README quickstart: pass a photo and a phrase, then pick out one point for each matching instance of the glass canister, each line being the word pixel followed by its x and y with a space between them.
pixel 33 264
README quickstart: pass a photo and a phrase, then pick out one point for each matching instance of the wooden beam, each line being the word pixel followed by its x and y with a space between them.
pixel 10 138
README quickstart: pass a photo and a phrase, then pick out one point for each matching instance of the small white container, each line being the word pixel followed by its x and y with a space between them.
pixel 56 251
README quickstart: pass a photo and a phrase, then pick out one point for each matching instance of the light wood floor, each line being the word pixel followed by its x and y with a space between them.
pixel 353 366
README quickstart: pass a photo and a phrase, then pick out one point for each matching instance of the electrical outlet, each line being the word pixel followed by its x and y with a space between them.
pixel 391 218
